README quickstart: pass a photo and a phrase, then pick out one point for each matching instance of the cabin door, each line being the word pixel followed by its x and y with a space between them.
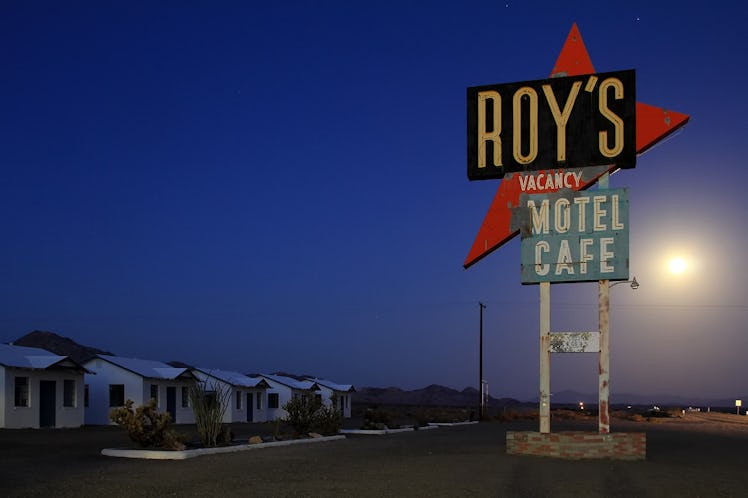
pixel 47 401
pixel 171 402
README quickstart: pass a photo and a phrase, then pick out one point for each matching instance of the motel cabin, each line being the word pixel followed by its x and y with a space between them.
pixel 337 395
pixel 115 379
pixel 39 389
pixel 281 389
pixel 245 397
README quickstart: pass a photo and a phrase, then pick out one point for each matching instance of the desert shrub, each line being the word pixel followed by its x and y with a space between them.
pixel 634 416
pixel 277 429
pixel 226 437
pixel 381 416
pixel 146 426
pixel 301 413
pixel 565 414
pixel 507 415
pixel 447 414
pixel 375 418
pixel 420 419
pixel 209 402
pixel 273 430
pixel 328 420
pixel 658 414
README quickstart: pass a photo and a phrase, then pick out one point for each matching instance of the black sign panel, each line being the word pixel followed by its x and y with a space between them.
pixel 569 122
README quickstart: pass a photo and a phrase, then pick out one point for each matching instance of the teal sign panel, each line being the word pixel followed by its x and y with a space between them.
pixel 571 236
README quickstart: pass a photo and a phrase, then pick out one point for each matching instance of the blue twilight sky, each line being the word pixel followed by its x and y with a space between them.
pixel 261 188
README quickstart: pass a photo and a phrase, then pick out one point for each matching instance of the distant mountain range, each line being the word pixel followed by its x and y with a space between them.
pixel 625 399
pixel 431 395
pixel 427 396
pixel 63 346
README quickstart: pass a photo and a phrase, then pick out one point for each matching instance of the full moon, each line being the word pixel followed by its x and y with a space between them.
pixel 677 265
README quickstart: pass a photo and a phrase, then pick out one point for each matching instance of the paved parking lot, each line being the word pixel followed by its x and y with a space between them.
pixel 455 461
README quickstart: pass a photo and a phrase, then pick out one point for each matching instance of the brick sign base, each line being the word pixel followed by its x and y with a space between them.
pixel 578 445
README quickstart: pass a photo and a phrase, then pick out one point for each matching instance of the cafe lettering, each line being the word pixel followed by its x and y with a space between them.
pixel 571 236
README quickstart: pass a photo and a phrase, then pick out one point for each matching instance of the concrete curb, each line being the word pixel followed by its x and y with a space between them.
pixel 451 424
pixel 375 432
pixel 185 454
pixel 380 432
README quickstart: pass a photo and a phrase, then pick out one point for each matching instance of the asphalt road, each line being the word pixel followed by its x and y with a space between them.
pixel 684 460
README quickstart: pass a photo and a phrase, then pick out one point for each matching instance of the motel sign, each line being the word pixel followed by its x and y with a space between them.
pixel 570 236
pixel 549 140
pixel 569 122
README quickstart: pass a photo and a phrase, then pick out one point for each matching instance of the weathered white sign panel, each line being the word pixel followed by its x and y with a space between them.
pixel 575 342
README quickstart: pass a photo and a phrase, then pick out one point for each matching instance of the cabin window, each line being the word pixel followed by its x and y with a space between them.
pixel 211 399
pixel 116 395
pixel 154 393
pixel 22 391
pixel 185 397
pixel 238 400
pixel 259 401
pixel 273 400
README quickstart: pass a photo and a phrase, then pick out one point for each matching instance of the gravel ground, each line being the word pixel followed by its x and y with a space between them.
pixel 698 455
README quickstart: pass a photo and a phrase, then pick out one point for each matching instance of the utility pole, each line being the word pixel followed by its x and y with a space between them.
pixel 481 398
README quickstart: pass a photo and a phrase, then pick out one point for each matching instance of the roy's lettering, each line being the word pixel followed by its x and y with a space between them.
pixel 570 122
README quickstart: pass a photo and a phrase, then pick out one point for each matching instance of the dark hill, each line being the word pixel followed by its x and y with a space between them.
pixel 57 344
pixel 433 395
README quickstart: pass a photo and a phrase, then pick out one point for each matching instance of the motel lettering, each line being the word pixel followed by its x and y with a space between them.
pixel 575 236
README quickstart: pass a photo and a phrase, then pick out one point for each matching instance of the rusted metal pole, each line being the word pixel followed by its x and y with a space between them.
pixel 603 299
pixel 481 398
pixel 604 357
pixel 545 357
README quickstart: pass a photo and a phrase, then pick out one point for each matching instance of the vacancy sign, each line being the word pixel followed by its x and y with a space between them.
pixel 570 236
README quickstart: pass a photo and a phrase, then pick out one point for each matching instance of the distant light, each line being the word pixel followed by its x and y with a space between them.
pixel 677 265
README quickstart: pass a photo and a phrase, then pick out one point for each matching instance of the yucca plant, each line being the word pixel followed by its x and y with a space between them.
pixel 209 402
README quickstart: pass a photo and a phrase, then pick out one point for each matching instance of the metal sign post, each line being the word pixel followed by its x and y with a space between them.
pixel 545 357
pixel 603 299
pixel 481 382
pixel 603 380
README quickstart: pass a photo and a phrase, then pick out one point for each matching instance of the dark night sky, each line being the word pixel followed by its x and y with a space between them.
pixel 263 188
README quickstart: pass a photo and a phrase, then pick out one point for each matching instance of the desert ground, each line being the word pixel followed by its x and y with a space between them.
pixel 699 454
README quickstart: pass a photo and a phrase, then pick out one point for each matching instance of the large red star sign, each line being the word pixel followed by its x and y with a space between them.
pixel 652 125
